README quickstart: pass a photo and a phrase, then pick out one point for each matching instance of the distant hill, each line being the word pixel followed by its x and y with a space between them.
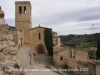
pixel 80 42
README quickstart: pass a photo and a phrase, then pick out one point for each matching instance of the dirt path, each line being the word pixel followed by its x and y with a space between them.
pixel 39 65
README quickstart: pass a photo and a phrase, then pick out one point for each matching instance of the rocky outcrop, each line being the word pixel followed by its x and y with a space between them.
pixel 5 36
pixel 8 51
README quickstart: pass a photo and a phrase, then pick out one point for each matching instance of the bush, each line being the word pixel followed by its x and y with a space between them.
pixel 16 66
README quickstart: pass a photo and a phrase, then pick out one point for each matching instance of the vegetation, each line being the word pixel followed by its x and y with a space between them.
pixel 80 42
pixel 16 66
pixel 98 47
pixel 48 40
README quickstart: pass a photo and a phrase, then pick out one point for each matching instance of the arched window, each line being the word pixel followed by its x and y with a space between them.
pixel 20 9
pixel 24 9
pixel 39 36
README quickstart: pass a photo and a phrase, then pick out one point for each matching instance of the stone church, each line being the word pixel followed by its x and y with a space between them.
pixel 24 33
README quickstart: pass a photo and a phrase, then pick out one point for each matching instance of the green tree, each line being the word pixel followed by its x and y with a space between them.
pixel 98 47
pixel 48 40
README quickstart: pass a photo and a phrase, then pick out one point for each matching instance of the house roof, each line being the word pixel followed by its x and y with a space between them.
pixel 94 61
pixel 54 32
pixel 83 62
pixel 58 49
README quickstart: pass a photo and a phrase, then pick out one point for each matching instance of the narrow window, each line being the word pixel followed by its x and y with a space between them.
pixel 61 58
pixel 21 42
pixel 20 9
pixel 39 36
pixel 24 9
pixel 56 41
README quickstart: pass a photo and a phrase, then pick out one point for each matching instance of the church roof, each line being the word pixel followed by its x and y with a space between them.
pixel 39 27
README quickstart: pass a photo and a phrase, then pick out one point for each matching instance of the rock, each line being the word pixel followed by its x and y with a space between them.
pixel 13 50
pixel 1 73
pixel 2 37
pixel 4 27
pixel 4 44
pixel 9 43
pixel 9 36
pixel 6 51
pixel 1 48
pixel 13 57
pixel 1 56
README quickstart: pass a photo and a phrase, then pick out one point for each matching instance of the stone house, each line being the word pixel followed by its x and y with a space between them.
pixel 60 54
pixel 66 52
pixel 97 67
pixel 65 57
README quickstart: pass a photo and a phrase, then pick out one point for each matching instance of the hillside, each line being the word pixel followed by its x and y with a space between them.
pixel 80 42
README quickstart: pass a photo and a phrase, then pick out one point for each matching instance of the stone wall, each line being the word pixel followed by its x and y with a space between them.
pixel 2 21
pixel 8 50
pixel 4 27
pixel 72 63
pixel 12 28
pixel 56 39
pixel 18 37
pixel 98 69
pixel 1 14
pixel 92 69
pixel 83 68
pixel 54 34
pixel 80 55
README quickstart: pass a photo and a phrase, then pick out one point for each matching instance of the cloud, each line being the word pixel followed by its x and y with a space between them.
pixel 90 14
pixel 63 16
pixel 90 17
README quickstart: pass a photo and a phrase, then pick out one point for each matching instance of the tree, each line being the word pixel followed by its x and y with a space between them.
pixel 48 40
pixel 98 47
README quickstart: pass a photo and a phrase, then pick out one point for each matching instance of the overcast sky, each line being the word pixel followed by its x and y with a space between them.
pixel 63 16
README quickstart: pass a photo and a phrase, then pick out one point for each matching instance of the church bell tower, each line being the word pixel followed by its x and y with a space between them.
pixel 23 20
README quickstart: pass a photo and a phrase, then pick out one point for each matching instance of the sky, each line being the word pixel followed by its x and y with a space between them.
pixel 63 16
